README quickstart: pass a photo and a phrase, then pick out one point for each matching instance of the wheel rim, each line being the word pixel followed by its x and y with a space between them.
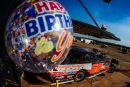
pixel 79 76
pixel 111 69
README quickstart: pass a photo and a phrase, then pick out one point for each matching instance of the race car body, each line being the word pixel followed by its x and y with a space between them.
pixel 81 63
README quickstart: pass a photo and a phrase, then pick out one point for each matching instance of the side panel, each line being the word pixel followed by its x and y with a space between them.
pixel 69 69
pixel 97 67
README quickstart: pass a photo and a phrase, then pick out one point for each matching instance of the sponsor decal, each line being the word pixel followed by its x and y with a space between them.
pixel 98 67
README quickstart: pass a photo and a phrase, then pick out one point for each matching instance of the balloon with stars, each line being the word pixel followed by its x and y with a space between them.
pixel 38 35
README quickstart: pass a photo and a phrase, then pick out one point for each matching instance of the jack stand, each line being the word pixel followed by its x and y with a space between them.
pixel 92 80
pixel 57 84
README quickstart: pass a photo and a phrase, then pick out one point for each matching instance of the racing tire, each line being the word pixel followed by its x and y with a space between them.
pixel 111 68
pixel 80 76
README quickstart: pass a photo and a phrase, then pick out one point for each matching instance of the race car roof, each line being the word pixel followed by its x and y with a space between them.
pixel 87 29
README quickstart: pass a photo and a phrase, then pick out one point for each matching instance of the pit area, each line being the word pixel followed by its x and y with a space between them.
pixel 120 78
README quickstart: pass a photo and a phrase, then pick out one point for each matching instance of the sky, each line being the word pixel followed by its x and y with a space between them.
pixel 116 15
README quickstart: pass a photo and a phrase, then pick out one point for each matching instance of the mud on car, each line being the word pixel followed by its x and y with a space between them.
pixel 81 63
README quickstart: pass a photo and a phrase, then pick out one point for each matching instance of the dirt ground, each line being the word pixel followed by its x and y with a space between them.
pixel 113 52
pixel 120 78
pixel 115 79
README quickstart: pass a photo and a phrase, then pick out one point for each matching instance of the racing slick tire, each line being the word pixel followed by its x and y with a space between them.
pixel 80 76
pixel 111 68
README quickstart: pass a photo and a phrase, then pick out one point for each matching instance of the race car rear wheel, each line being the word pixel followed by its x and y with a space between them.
pixel 79 76
pixel 111 68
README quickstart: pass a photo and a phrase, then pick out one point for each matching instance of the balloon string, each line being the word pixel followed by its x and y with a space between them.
pixel 111 12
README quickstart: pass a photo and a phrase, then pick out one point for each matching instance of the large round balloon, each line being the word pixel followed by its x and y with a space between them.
pixel 38 35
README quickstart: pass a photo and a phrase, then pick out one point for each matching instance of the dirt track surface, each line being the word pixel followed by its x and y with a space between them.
pixel 115 79
pixel 112 51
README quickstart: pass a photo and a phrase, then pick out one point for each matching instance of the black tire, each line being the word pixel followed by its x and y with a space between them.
pixel 111 68
pixel 80 76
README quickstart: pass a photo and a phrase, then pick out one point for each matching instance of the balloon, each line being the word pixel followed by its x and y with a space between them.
pixel 38 35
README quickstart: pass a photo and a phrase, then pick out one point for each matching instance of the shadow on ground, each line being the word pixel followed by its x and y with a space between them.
pixel 101 74
pixel 122 52
pixel 38 78
pixel 127 84
pixel 124 70
pixel 32 78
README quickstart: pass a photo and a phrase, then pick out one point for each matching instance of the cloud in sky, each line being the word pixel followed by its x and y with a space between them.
pixel 121 29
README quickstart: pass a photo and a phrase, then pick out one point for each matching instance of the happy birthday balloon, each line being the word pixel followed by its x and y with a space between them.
pixel 38 35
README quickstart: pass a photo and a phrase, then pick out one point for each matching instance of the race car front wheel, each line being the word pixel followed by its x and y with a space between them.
pixel 79 76
pixel 111 68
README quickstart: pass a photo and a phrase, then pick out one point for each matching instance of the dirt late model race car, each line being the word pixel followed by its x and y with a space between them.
pixel 81 63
